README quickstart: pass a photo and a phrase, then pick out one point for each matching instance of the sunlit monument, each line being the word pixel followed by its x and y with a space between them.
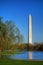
pixel 30 29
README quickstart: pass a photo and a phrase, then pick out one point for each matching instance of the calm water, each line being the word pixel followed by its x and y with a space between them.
pixel 28 55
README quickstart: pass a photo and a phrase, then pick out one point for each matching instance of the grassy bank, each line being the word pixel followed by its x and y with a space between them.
pixel 10 52
pixel 19 62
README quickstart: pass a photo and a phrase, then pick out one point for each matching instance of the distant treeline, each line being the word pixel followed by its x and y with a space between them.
pixel 25 47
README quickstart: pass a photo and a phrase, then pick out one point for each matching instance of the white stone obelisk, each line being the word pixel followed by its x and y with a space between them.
pixel 30 29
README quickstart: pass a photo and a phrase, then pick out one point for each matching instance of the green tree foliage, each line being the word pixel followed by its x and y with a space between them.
pixel 9 34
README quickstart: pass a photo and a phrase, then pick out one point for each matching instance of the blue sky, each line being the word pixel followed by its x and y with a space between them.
pixel 18 11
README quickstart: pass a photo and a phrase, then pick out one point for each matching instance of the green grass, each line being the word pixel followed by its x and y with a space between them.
pixel 20 62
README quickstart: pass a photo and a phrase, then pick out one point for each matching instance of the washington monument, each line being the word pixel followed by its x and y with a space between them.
pixel 30 29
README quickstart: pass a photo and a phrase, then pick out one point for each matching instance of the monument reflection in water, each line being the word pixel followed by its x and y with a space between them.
pixel 30 55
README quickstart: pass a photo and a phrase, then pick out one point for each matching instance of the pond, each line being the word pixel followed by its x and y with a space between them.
pixel 27 56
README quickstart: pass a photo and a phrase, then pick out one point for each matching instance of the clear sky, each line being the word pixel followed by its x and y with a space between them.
pixel 18 11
